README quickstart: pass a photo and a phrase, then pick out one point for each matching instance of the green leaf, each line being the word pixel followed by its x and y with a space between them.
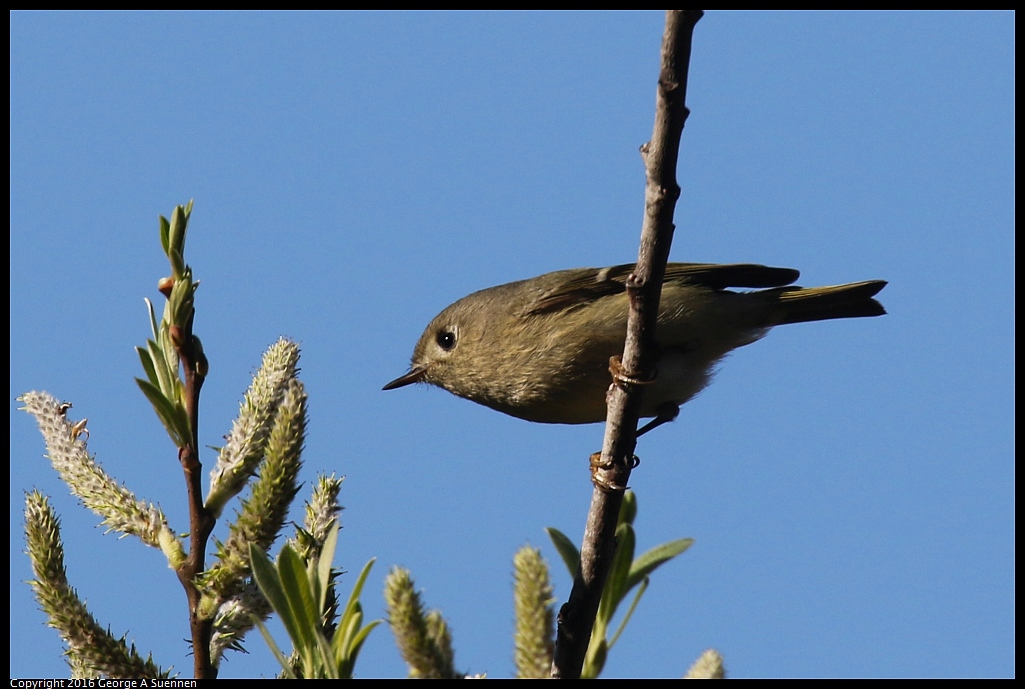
pixel 166 377
pixel 165 358
pixel 348 661
pixel 165 230
pixel 616 586
pixel 287 589
pixel 177 263
pixel 147 365
pixel 629 613
pixel 181 301
pixel 597 653
pixel 342 643
pixel 270 584
pixel 286 666
pixel 327 667
pixel 628 510
pixel 296 592
pixel 654 558
pixel 176 235
pixel 344 633
pixel 361 636
pixel 293 579
pixel 166 412
pixel 152 317
pixel 357 589
pixel 327 555
pixel 567 551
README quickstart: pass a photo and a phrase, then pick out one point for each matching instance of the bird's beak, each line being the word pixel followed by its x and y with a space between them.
pixel 415 375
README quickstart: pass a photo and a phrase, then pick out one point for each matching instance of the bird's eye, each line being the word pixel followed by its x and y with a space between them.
pixel 446 339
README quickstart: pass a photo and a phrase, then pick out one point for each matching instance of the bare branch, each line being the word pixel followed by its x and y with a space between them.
pixel 612 470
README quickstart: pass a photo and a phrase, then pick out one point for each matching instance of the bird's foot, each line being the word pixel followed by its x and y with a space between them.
pixel 666 413
pixel 600 474
pixel 621 378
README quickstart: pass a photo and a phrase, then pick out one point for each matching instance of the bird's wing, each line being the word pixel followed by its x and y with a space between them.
pixel 585 285
pixel 723 276
pixel 581 286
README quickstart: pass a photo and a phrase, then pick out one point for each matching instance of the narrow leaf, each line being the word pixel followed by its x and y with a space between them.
pixel 347 628
pixel 567 551
pixel 152 317
pixel 628 510
pixel 270 584
pixel 357 589
pixel 166 376
pixel 147 365
pixel 654 558
pixel 361 636
pixel 327 554
pixel 286 666
pixel 633 606
pixel 177 262
pixel 176 236
pixel 166 411
pixel 165 230
pixel 300 596
pixel 616 586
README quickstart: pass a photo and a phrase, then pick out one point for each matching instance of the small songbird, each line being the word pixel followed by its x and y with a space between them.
pixel 539 349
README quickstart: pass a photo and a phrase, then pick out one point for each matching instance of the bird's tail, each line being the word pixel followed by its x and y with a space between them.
pixel 804 304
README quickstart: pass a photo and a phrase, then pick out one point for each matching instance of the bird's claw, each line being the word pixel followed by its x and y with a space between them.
pixel 599 469
pixel 620 377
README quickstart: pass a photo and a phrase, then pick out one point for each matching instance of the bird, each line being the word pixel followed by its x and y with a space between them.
pixel 539 349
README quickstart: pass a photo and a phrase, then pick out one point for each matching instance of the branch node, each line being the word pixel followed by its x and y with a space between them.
pixel 604 476
pixel 622 378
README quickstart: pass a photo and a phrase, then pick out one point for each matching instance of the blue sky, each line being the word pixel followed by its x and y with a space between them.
pixel 849 484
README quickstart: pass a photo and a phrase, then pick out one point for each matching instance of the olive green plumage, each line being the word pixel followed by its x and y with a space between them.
pixel 539 349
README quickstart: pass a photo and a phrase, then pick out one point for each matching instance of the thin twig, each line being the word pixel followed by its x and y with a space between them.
pixel 644 287
pixel 201 522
